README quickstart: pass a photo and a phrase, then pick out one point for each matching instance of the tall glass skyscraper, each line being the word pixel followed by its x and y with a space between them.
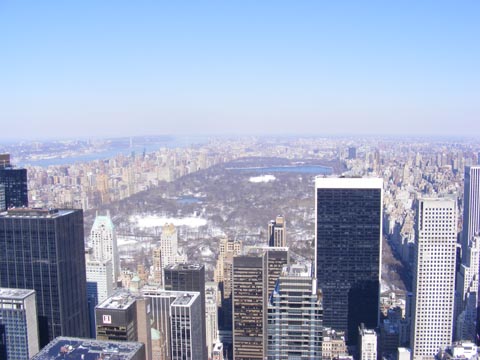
pixel 44 250
pixel 15 183
pixel 348 251
pixel 471 205
pixel 250 306
pixel 189 277
pixel 3 204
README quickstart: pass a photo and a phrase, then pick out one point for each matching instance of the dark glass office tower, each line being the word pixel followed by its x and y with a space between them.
pixel 3 204
pixel 250 283
pixel 188 277
pixel 348 250
pixel 15 182
pixel 44 250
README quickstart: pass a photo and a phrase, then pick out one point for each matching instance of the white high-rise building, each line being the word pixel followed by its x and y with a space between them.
pixel 367 341
pixel 100 272
pixel 157 266
pixel 103 241
pixel 471 207
pixel 467 292
pixel 434 277
pixel 294 326
pixel 169 244
pixel 211 316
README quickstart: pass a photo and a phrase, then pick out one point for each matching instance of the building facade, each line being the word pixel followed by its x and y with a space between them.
pixel 295 316
pixel 471 204
pixel 211 316
pixel 367 343
pixel 168 244
pixel 277 235
pixel 157 266
pixel 434 277
pixel 348 238
pixel 99 286
pixel 188 277
pixel 249 298
pixel 103 240
pixel 44 250
pixel 187 342
pixel 124 317
pixel 3 202
pixel 18 324
pixel 467 292
pixel 223 275
pixel 15 183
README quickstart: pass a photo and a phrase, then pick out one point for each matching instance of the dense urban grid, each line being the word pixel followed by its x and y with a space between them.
pixel 248 248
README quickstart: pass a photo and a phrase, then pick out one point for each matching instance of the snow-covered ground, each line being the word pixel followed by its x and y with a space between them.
pixel 157 221
pixel 262 178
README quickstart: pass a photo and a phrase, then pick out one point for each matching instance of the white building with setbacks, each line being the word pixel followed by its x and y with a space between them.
pixel 434 277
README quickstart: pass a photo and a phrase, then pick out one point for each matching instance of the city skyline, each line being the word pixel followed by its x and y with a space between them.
pixel 239 68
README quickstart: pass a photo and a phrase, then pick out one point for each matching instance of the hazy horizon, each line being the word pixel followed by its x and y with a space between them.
pixel 117 69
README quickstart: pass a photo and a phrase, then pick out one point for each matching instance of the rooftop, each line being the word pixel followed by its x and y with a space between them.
pixel 88 349
pixel 17 294
pixel 120 300
pixel 34 213
pixel 186 299
pixel 297 270
pixel 187 266
pixel 348 182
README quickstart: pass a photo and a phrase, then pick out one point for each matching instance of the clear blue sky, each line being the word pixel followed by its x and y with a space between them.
pixel 97 68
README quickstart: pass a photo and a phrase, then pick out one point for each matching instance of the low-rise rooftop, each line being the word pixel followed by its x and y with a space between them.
pixel 15 294
pixel 89 349
pixel 121 300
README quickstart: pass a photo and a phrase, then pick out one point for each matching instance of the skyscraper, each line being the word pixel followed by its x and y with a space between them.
pixel 277 258
pixel 44 250
pixel 103 240
pixel 347 251
pixel 471 204
pixel 124 317
pixel 3 203
pixel 157 266
pixel 161 305
pixel 187 341
pixel 295 316
pixel 250 306
pixel 277 232
pixel 467 292
pixel 434 277
pixel 4 160
pixel 223 275
pixel 18 324
pixel 367 343
pixel 188 277
pixel 168 244
pixel 99 285
pixel 15 182
pixel 211 316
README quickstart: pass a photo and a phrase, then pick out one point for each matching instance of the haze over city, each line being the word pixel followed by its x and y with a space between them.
pixel 89 68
